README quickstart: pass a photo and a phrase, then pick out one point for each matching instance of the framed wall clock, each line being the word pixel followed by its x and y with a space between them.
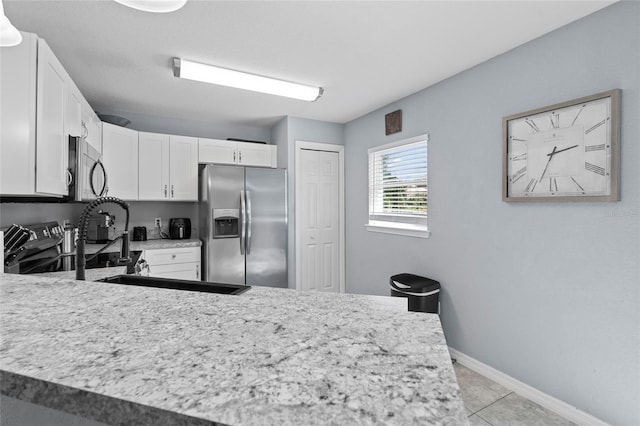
pixel 563 152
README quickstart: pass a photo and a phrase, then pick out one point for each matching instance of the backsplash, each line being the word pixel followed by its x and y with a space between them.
pixel 141 213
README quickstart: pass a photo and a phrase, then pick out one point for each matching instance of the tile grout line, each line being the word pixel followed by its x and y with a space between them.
pixel 489 405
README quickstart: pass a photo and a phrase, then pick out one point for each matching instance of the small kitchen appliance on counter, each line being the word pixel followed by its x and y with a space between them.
pixel 102 228
pixel 49 247
pixel 180 228
pixel 139 233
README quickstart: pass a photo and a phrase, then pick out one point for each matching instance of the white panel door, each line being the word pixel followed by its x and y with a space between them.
pixel 320 236
pixel 183 168
pixel 153 170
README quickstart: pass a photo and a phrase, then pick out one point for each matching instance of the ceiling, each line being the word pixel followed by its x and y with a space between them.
pixel 364 54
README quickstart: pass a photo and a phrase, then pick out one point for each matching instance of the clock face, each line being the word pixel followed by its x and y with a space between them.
pixel 563 152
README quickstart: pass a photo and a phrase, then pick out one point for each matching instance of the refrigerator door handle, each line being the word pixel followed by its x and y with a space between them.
pixel 243 219
pixel 248 244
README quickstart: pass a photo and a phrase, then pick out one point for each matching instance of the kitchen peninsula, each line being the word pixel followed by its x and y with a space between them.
pixel 132 355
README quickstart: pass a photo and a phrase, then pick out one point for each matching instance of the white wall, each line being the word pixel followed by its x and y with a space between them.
pixel 547 293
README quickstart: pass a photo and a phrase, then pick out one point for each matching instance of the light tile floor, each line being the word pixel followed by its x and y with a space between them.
pixel 491 404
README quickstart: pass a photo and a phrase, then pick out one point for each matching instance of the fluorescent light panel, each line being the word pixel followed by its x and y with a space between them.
pixel 155 6
pixel 9 35
pixel 240 80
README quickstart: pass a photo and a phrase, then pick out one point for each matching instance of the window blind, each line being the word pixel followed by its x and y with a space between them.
pixel 398 183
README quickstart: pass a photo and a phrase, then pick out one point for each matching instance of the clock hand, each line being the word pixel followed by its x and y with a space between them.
pixel 554 152
pixel 548 161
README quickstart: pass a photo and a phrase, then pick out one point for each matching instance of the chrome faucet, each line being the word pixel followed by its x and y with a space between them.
pixel 83 224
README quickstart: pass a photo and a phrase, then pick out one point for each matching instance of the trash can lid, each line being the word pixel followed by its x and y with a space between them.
pixel 414 283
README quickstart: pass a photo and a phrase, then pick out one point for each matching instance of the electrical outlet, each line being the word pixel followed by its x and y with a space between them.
pixel 158 222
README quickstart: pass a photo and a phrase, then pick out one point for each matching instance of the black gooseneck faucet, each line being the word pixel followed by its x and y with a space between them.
pixel 83 223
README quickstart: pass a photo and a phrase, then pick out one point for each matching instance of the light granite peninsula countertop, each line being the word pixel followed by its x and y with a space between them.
pixel 145 356
pixel 159 243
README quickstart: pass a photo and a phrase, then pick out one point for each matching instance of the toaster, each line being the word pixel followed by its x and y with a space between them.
pixel 179 228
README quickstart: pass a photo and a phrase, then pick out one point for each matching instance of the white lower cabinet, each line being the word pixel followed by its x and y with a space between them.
pixel 179 263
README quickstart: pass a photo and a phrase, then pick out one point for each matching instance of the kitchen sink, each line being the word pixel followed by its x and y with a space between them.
pixel 203 286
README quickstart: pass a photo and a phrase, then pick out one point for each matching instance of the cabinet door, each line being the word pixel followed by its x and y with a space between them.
pixel 96 132
pixel 217 151
pixel 18 73
pixel 255 154
pixel 183 168
pixel 180 271
pixel 91 126
pixel 179 263
pixel 153 162
pixel 52 148
pixel 120 157
pixel 73 113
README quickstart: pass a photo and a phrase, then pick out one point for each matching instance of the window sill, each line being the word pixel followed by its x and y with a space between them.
pixel 407 230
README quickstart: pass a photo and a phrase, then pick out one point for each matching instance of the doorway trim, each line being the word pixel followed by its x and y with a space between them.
pixel 316 146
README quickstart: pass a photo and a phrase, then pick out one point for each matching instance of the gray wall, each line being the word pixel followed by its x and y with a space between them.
pixel 285 134
pixel 212 129
pixel 547 293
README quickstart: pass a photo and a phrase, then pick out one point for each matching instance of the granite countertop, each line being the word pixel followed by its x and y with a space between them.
pixel 145 245
pixel 135 355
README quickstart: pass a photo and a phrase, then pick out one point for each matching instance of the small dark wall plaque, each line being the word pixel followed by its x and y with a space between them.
pixel 393 122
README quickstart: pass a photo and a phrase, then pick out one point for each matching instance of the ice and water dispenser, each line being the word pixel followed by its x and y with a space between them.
pixel 225 223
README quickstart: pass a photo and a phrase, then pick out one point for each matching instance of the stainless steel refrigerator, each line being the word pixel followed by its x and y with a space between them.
pixel 243 225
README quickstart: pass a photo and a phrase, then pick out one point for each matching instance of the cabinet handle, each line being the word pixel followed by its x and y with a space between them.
pixel 234 156
pixel 173 256
pixel 198 271
pixel 240 157
pixel 165 191
pixel 171 191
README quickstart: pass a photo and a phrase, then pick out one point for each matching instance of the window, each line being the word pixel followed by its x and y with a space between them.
pixel 398 188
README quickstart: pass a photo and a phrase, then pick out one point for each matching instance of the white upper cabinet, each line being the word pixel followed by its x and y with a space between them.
pixel 18 71
pixel 153 170
pixel 168 167
pixel 91 126
pixel 73 117
pixel 120 157
pixel 52 146
pixel 241 153
pixel 34 144
pixel 183 168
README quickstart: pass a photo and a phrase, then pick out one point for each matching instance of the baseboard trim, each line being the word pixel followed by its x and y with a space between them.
pixel 549 402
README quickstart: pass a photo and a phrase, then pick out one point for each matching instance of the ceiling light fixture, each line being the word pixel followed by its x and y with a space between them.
pixel 156 6
pixel 9 35
pixel 240 80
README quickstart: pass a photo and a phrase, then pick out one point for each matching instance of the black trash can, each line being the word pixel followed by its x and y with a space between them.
pixel 422 293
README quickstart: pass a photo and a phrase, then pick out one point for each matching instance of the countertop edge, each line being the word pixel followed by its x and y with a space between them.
pixel 159 243
pixel 90 405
